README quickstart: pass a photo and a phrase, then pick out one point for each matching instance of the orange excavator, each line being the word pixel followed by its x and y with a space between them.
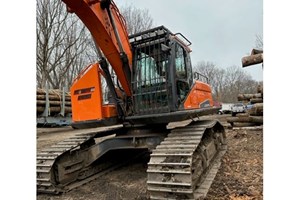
pixel 150 81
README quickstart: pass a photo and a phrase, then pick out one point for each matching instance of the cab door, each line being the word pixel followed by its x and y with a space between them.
pixel 182 74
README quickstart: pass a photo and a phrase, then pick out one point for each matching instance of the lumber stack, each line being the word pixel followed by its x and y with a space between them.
pixel 55 100
pixel 254 115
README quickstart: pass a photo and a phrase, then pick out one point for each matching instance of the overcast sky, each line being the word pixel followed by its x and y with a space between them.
pixel 221 31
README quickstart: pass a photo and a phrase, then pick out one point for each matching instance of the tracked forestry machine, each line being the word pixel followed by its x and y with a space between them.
pixel 153 85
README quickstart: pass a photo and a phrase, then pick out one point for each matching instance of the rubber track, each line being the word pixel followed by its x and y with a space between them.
pixel 170 167
pixel 46 158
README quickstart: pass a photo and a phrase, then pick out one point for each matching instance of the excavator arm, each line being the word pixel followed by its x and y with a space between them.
pixel 108 29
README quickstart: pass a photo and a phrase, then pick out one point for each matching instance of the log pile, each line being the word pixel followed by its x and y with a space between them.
pixel 254 115
pixel 56 104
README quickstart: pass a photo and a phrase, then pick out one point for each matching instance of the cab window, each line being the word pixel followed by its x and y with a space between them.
pixel 180 62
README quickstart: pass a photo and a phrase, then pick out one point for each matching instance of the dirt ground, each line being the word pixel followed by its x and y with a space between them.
pixel 239 178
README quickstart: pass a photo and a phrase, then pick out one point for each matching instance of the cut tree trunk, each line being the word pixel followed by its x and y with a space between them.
pixel 260 89
pixel 257 119
pixel 256 51
pixel 256 110
pixel 53 97
pixel 254 119
pixel 254 128
pixel 51 91
pixel 56 109
pixel 54 103
pixel 243 97
pixel 252 60
pixel 244 124
pixel 242 115
pixel 238 119
pixel 256 100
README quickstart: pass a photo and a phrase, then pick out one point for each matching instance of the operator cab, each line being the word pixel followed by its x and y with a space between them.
pixel 162 72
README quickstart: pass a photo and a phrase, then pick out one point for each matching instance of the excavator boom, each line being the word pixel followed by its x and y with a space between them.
pixel 108 29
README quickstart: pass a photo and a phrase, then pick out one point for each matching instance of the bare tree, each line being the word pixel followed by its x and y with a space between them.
pixel 237 81
pixel 219 84
pixel 64 46
pixel 259 41
pixel 226 83
pixel 207 69
pixel 137 19
pixel 61 40
pixel 215 76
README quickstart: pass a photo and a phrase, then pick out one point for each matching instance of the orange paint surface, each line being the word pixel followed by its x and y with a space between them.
pixel 86 96
pixel 109 110
pixel 199 93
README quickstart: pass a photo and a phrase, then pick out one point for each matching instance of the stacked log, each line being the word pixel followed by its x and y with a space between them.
pixel 256 57
pixel 254 115
pixel 55 99
pixel 250 120
pixel 252 60
pixel 256 110
pixel 248 97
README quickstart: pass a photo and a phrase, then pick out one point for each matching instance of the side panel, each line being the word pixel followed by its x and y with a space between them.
pixel 86 95
pixel 199 96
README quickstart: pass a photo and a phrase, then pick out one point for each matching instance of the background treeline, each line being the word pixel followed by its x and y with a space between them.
pixel 227 83
pixel 64 46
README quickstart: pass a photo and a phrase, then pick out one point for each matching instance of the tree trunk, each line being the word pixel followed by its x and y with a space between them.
pixel 256 51
pixel 54 103
pixel 254 128
pixel 238 119
pixel 56 109
pixel 51 91
pixel 252 60
pixel 53 97
pixel 256 100
pixel 242 115
pixel 244 124
pixel 260 89
pixel 246 119
pixel 256 110
pixel 243 97
pixel 257 119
